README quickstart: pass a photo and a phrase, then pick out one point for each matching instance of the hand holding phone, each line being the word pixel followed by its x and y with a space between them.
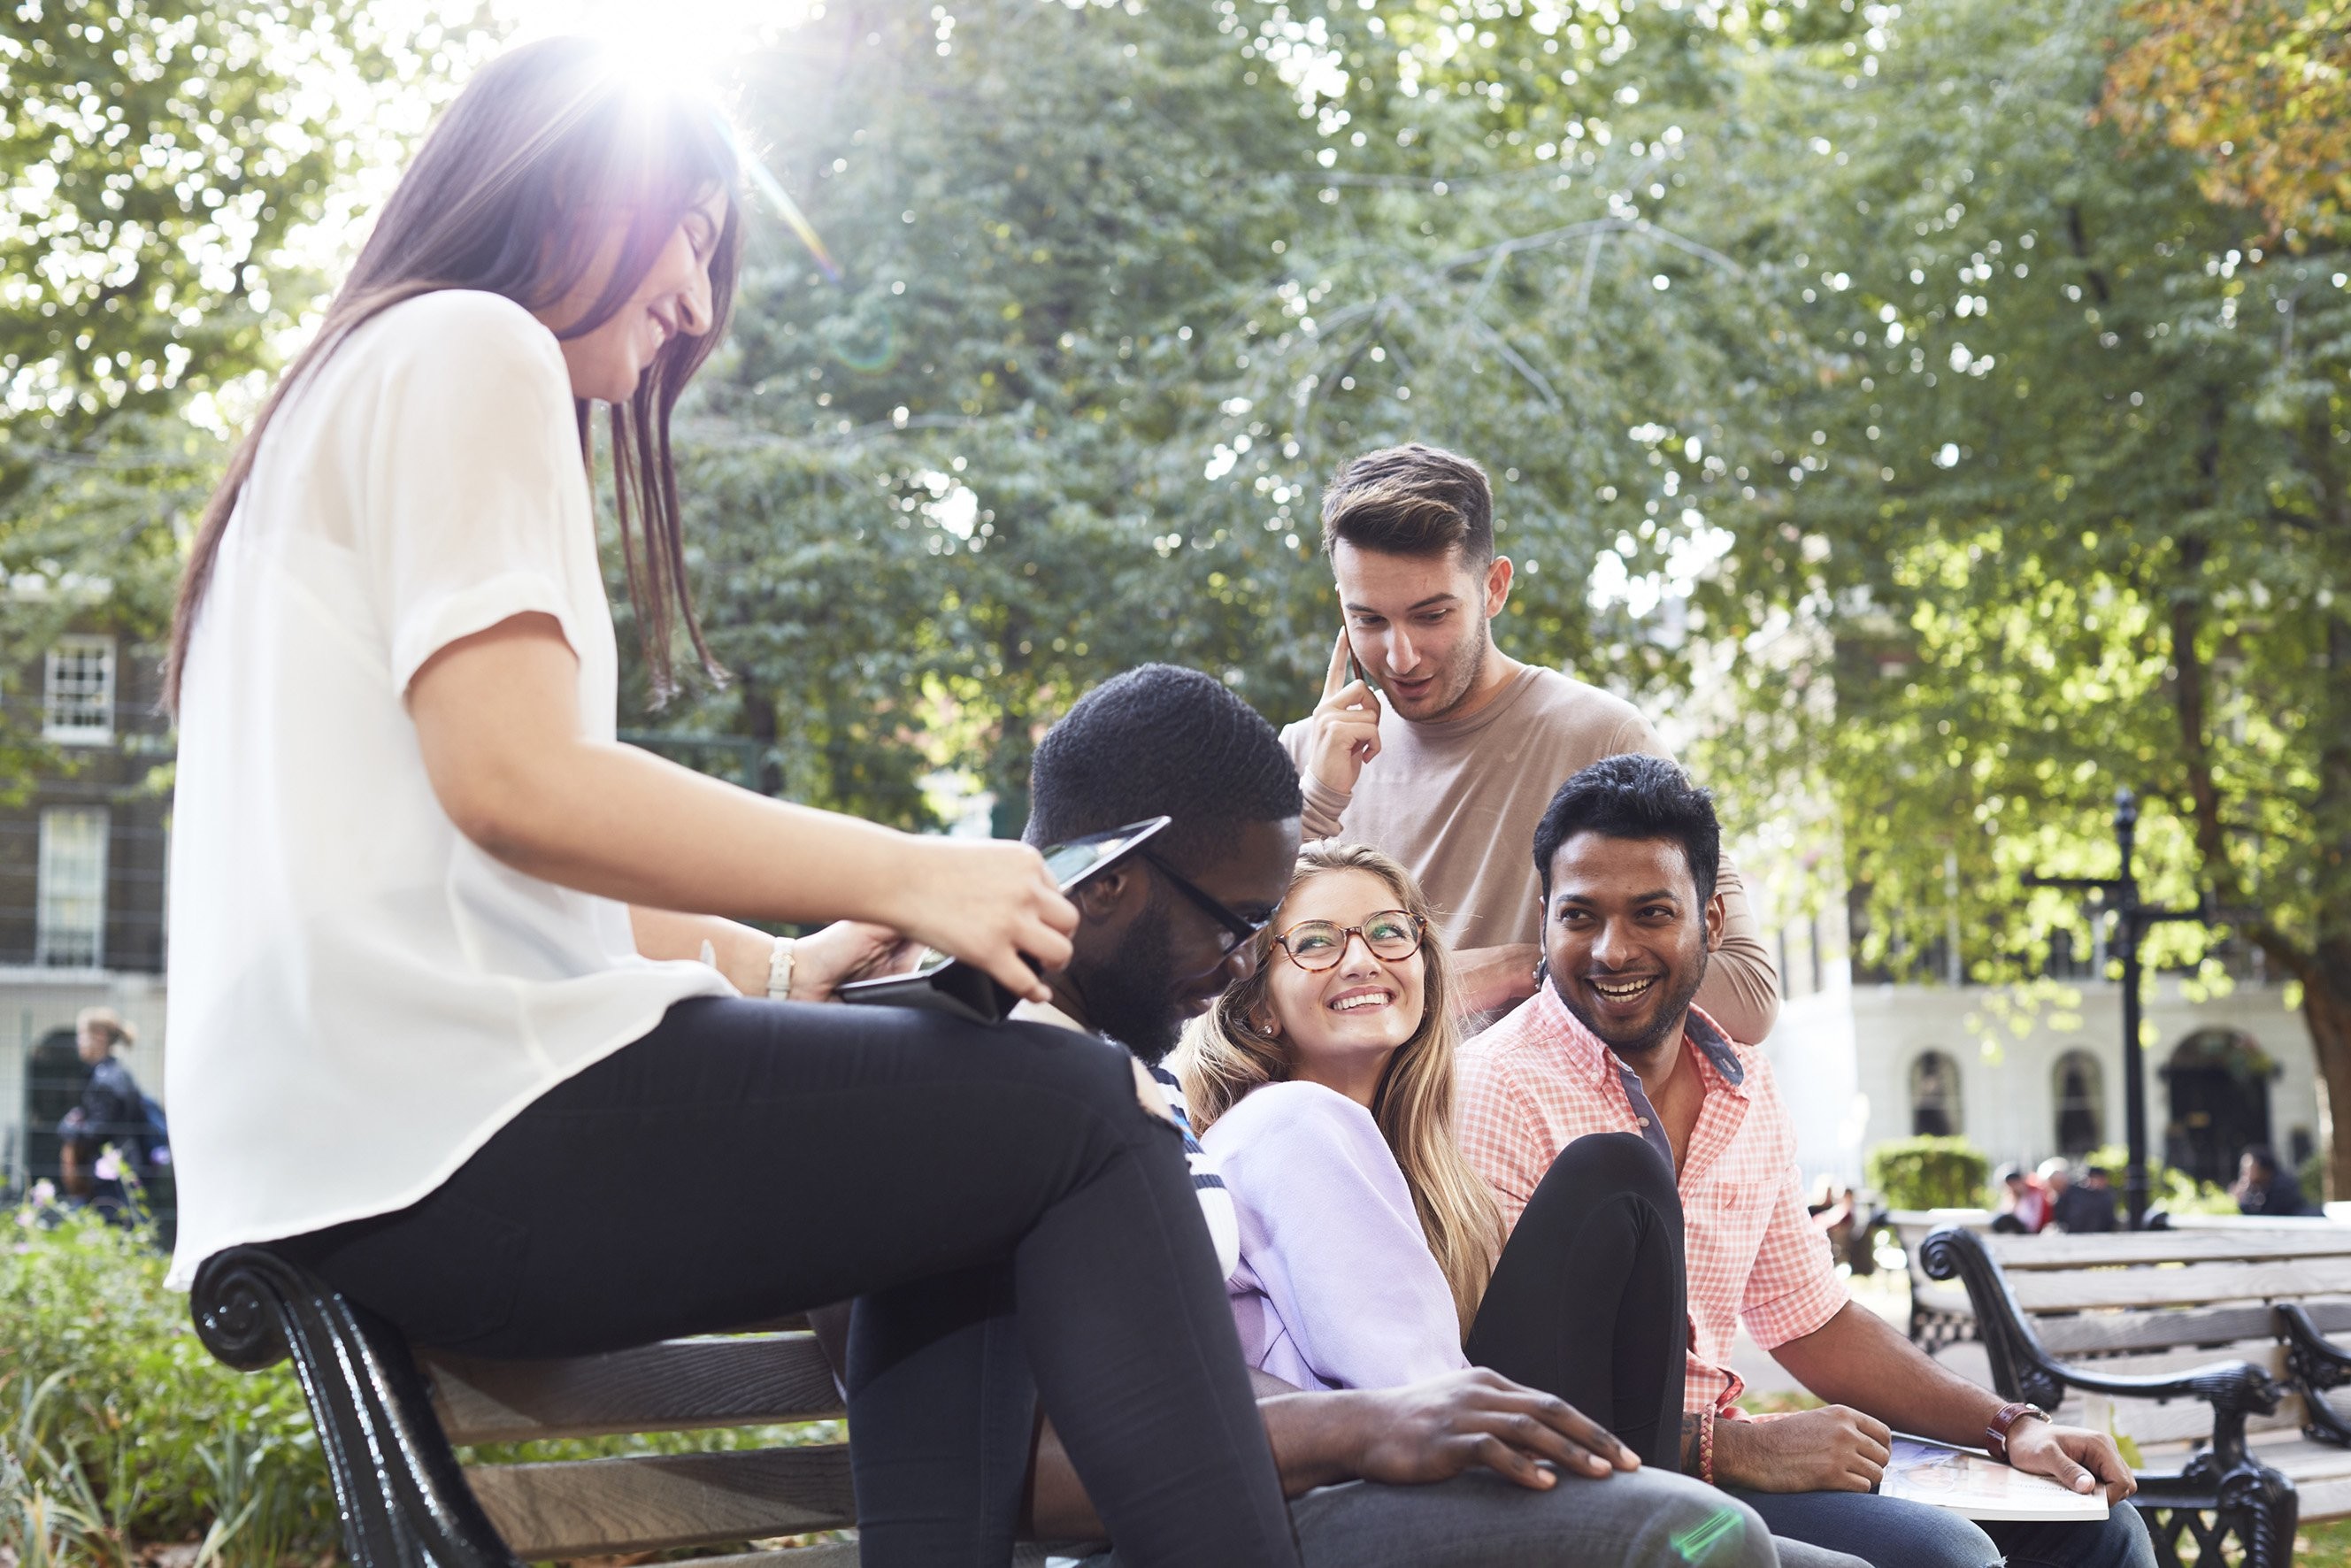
pixel 980 991
pixel 1344 732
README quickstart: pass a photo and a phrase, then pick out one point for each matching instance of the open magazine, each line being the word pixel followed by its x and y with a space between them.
pixel 1977 1486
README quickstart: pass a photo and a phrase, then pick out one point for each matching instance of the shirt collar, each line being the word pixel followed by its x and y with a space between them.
pixel 1027 1011
pixel 1589 1054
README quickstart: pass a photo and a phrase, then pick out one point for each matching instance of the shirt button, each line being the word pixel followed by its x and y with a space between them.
pixel 1643 1120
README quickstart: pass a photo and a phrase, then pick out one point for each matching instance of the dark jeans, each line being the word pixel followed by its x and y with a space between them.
pixel 996 1198
pixel 1891 1533
pixel 1586 1300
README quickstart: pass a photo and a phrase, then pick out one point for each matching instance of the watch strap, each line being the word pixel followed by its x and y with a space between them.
pixel 779 970
pixel 2003 1420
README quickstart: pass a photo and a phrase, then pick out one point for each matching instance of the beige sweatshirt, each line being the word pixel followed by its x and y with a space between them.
pixel 1457 800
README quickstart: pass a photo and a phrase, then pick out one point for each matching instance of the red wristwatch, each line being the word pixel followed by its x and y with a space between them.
pixel 2003 1420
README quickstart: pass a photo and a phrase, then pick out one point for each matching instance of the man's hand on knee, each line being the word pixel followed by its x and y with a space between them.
pixel 1833 1448
pixel 1436 1429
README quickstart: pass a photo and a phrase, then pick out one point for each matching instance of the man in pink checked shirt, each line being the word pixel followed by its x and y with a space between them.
pixel 1625 856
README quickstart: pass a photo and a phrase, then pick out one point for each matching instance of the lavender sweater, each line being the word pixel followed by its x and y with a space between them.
pixel 1336 1287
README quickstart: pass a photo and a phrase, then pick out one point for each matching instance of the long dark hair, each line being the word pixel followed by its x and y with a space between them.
pixel 493 201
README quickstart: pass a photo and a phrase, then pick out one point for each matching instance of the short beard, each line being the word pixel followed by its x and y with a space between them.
pixel 1475 662
pixel 1671 1017
pixel 1131 998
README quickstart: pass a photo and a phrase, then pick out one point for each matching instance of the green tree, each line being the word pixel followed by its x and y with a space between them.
pixel 2057 501
pixel 1117 287
pixel 164 161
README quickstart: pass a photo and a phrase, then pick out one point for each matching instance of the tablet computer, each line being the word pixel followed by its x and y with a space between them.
pixel 947 984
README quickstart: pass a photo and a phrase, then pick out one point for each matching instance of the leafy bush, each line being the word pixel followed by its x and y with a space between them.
pixel 118 1429
pixel 1929 1172
pixel 120 1426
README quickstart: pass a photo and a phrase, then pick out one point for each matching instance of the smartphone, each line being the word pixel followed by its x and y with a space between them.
pixel 947 984
pixel 1355 672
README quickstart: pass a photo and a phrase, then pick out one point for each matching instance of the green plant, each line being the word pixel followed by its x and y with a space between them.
pixel 1929 1172
pixel 122 1428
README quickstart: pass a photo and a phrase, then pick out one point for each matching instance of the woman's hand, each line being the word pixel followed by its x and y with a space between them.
pixel 988 901
pixel 824 961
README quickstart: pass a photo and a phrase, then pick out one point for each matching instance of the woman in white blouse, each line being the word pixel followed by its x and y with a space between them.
pixel 438 1031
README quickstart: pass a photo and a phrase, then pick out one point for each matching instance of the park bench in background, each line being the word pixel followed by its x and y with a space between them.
pixel 2171 1338
pixel 388 1420
pixel 1940 1313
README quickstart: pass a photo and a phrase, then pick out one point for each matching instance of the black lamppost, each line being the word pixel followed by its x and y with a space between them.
pixel 2132 921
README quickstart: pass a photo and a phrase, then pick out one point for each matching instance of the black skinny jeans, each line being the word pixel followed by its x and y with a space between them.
pixel 995 1199
pixel 1587 1299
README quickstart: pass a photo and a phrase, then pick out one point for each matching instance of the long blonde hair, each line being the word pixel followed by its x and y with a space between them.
pixel 1225 1054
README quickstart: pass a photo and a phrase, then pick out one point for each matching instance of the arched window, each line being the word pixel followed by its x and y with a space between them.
pixel 1934 1096
pixel 2081 1103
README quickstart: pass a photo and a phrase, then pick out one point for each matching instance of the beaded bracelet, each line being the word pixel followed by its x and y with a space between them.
pixel 1702 1452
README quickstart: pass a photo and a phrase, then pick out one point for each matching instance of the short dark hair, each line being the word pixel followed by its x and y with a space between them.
pixel 1411 500
pixel 1160 741
pixel 2262 1155
pixel 1633 796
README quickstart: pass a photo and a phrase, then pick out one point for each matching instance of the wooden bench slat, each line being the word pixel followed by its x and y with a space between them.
pixel 750 1381
pixel 580 1506
pixel 2058 1251
pixel 2194 1285
pixel 2076 1335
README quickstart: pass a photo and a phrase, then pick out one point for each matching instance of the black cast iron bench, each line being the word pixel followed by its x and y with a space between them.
pixel 390 1420
pixel 2172 1339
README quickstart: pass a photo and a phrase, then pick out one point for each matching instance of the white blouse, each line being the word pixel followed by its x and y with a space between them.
pixel 358 996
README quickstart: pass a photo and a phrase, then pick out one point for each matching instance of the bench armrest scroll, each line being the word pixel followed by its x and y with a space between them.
pixel 2022 1369
pixel 403 1499
pixel 2315 1365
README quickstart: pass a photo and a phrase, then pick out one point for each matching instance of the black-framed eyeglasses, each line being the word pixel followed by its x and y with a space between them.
pixel 1239 928
pixel 1316 945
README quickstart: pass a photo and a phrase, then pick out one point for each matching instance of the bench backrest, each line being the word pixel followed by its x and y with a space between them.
pixel 2167 1300
pixel 575 1508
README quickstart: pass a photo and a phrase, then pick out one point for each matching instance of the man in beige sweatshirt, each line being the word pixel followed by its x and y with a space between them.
pixel 1433 745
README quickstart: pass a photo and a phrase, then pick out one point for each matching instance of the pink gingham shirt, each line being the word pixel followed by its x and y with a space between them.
pixel 1539 1080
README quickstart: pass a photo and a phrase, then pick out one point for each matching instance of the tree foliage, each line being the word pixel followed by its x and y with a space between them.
pixel 2065 508
pixel 164 161
pixel 2258 90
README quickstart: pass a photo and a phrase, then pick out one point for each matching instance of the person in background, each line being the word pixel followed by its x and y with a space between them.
pixel 2024 1206
pixel 1458 1469
pixel 1445 751
pixel 2264 1187
pixel 2056 1179
pixel 113 1113
pixel 2088 1206
pixel 1626 853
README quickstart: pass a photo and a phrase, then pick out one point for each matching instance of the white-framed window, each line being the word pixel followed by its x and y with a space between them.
pixel 69 926
pixel 77 692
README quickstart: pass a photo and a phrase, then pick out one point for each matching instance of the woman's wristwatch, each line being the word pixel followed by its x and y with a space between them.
pixel 2003 1420
pixel 779 970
